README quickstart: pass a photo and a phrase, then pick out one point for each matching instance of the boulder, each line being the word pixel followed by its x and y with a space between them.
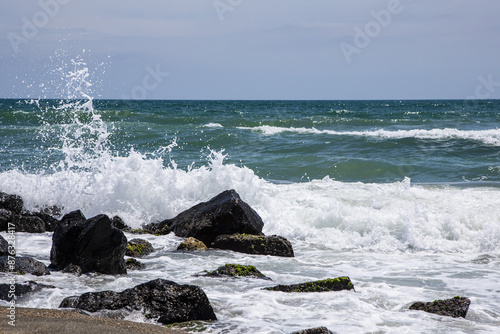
pixel 237 270
pixel 93 245
pixel 226 213
pixel 5 249
pixel 64 239
pixel 335 284
pixel 255 244
pixel 138 248
pixel 454 307
pixel 191 244
pixel 316 330
pixel 6 291
pixel 23 265
pixel 12 203
pixel 162 299
pixel 133 264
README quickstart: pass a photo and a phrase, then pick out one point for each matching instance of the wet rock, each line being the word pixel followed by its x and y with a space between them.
pixel 5 249
pixel 133 264
pixel 316 330
pixel 138 248
pixel 335 284
pixel 72 269
pixel 237 270
pixel 226 213
pixel 12 203
pixel 23 265
pixel 454 307
pixel 118 223
pixel 5 219
pixel 162 299
pixel 7 293
pixel 255 244
pixel 191 244
pixel 30 224
pixel 64 239
pixel 49 221
pixel 93 244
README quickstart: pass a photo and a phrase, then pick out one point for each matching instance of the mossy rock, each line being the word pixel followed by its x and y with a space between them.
pixel 454 307
pixel 237 270
pixel 330 284
pixel 192 244
pixel 254 244
pixel 138 248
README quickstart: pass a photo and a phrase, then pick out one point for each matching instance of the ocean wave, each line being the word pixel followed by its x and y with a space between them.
pixel 488 137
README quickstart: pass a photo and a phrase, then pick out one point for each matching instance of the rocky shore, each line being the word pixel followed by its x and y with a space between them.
pixel 98 245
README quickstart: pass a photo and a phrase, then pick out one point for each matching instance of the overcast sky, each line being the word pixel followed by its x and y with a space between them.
pixel 253 49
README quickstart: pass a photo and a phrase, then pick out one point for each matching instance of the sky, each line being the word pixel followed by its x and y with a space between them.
pixel 252 49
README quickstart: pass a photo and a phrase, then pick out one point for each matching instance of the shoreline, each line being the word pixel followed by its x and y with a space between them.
pixel 40 321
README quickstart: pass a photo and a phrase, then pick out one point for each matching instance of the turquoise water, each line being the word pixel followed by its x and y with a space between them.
pixel 281 141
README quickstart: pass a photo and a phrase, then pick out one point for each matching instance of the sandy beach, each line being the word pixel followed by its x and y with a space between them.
pixel 41 321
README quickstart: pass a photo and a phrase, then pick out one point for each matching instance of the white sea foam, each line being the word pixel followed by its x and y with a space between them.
pixel 489 137
pixel 213 125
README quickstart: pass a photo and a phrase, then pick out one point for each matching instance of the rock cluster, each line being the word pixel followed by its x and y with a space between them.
pixel 11 212
pixel 225 222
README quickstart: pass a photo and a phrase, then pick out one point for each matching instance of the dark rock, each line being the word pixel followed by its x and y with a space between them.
pixel 118 223
pixel 191 244
pixel 30 224
pixel 49 221
pixel 5 219
pixel 237 270
pixel 454 307
pixel 12 203
pixel 255 244
pixel 64 239
pixel 6 291
pixel 335 284
pixel 162 299
pixel 23 265
pixel 93 244
pixel 72 269
pixel 133 264
pixel 226 213
pixel 317 330
pixel 139 248
pixel 5 248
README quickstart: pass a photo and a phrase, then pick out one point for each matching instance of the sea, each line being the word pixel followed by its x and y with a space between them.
pixel 401 196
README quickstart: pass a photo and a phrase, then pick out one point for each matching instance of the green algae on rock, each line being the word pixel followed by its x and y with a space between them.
pixel 138 248
pixel 454 307
pixel 255 244
pixel 191 244
pixel 237 270
pixel 330 284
